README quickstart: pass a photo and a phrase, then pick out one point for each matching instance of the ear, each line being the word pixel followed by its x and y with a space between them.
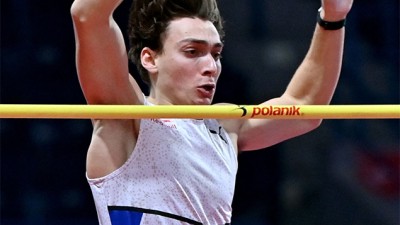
pixel 147 58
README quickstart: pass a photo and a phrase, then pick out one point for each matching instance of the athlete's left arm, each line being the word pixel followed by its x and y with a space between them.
pixel 313 83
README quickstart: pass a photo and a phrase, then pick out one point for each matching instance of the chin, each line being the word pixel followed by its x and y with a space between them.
pixel 203 101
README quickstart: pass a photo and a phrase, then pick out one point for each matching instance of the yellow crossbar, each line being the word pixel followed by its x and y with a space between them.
pixel 200 111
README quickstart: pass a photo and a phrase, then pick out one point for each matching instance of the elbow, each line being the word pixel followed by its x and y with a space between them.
pixel 312 124
pixel 77 8
pixel 78 11
pixel 306 126
pixel 84 12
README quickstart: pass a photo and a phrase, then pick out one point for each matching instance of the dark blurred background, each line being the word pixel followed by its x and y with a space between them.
pixel 345 172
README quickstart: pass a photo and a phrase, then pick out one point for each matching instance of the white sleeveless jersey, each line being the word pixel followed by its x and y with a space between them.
pixel 182 171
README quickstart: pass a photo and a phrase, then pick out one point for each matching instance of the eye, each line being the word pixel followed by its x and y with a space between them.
pixel 217 56
pixel 191 52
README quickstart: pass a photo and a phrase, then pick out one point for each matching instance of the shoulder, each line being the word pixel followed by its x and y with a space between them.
pixel 232 126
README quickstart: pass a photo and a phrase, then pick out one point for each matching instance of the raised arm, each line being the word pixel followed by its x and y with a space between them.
pixel 101 57
pixel 314 82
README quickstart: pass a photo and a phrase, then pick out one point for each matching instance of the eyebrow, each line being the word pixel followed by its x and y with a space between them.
pixel 200 41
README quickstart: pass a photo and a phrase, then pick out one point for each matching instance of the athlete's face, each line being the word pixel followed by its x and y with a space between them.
pixel 189 65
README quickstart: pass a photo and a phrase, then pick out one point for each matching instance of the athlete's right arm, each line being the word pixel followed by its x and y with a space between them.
pixel 101 56
pixel 102 66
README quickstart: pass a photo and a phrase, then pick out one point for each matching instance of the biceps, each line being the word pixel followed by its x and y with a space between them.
pixel 102 62
pixel 261 133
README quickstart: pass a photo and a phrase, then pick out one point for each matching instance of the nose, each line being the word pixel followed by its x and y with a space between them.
pixel 210 66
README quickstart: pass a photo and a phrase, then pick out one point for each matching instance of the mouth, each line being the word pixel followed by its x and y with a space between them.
pixel 208 87
pixel 206 90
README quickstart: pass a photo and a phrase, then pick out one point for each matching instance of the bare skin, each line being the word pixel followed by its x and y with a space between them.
pixel 186 72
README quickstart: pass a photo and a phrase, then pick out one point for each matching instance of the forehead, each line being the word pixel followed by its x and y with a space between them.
pixel 191 28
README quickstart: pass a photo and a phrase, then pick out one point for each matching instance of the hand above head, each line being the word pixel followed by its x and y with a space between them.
pixel 335 10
